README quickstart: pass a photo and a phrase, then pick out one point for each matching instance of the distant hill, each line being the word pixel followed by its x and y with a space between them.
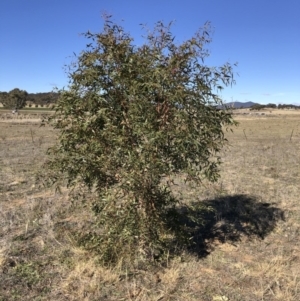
pixel 239 105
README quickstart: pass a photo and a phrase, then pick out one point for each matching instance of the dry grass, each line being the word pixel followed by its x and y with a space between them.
pixel 248 249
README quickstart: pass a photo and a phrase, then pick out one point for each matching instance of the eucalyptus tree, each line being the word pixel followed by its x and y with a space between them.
pixel 132 118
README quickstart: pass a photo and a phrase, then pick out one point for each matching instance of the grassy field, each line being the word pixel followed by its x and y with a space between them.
pixel 249 249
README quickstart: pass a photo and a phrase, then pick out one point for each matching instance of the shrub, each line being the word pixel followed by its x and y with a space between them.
pixel 132 118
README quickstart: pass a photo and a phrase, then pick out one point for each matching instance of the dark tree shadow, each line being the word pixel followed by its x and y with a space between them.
pixel 224 219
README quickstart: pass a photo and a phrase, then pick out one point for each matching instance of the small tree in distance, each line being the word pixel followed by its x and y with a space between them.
pixel 14 99
pixel 131 118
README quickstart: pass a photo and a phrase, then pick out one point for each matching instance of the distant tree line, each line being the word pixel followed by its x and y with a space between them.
pixel 43 98
pixel 274 106
pixel 16 99
pixel 286 106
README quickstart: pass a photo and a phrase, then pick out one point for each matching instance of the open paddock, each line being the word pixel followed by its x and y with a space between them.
pixel 250 247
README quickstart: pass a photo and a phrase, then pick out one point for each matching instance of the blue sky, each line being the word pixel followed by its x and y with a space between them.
pixel 38 37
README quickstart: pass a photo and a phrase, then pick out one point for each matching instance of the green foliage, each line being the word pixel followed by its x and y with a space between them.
pixel 271 106
pixel 260 107
pixel 257 107
pixel 14 99
pixel 288 106
pixel 27 273
pixel 43 98
pixel 132 118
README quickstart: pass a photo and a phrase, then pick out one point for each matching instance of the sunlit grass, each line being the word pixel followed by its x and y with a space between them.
pixel 244 255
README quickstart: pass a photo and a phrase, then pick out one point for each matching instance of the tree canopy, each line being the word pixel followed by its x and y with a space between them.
pixel 132 118
pixel 14 99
